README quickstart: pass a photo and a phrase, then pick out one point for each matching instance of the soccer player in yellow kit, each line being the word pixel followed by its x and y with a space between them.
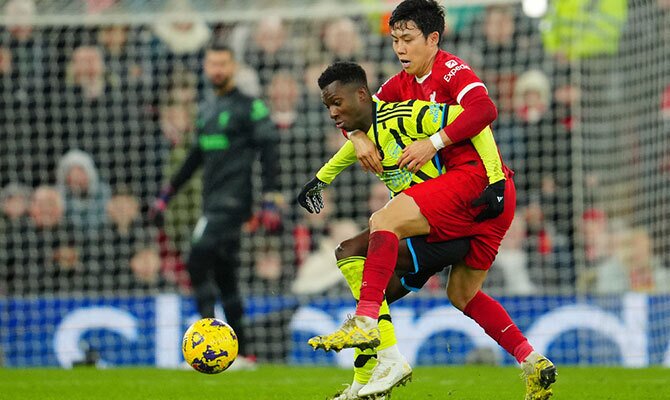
pixel 392 127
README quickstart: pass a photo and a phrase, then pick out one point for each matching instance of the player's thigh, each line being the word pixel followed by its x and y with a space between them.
pixel 395 290
pixel 435 256
pixel 445 202
pixel 427 259
pixel 417 254
pixel 402 216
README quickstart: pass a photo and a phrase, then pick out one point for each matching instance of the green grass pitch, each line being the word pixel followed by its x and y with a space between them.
pixel 297 383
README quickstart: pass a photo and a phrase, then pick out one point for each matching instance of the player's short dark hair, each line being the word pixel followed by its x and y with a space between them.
pixel 344 72
pixel 428 16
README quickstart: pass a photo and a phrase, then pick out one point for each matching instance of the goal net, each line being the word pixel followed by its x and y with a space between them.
pixel 98 108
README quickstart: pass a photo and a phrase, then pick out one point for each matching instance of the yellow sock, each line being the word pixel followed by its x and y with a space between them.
pixel 364 361
pixel 386 329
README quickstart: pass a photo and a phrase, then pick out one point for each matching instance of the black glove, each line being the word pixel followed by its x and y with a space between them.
pixel 494 199
pixel 310 196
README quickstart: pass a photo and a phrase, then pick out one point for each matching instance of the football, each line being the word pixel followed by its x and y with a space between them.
pixel 210 346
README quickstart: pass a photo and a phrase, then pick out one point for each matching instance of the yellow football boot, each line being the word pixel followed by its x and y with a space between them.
pixel 539 374
pixel 357 331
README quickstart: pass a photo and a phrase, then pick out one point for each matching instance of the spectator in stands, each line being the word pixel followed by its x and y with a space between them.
pixel 130 259
pixel 311 229
pixel 512 260
pixel 549 258
pixel 269 50
pixel 98 6
pixel 125 58
pixel 319 272
pixel 25 65
pixel 509 44
pixel 181 37
pixel 599 250
pixel 84 193
pixel 87 72
pixel 5 63
pixel 634 266
pixel 310 77
pixel 14 203
pixel 146 267
pixel 177 121
pixel 283 94
pixel 645 272
pixel 111 124
pixel 25 43
pixel 14 200
pixel 566 96
pixel 539 149
pixel 48 253
pixel 342 40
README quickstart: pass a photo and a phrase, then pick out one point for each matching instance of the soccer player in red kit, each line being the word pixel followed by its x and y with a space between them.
pixel 463 202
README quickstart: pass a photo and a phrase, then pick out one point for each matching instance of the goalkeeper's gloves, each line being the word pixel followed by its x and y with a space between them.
pixel 494 199
pixel 159 205
pixel 310 197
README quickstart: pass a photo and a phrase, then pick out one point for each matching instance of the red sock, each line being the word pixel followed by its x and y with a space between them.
pixel 491 316
pixel 379 265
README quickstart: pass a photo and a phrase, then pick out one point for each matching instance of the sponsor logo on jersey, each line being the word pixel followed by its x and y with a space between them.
pixel 451 63
pixel 214 142
pixel 453 72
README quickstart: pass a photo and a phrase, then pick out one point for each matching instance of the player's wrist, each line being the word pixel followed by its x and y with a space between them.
pixel 436 140
pixel 356 135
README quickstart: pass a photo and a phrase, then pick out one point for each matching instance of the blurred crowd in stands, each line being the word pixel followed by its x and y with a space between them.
pixel 94 117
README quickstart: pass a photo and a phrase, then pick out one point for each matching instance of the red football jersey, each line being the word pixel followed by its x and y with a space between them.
pixel 449 80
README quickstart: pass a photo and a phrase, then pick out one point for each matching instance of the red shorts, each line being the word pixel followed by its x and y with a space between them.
pixel 445 202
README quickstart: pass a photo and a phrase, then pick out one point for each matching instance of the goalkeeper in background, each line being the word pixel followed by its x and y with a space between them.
pixel 233 130
pixel 445 200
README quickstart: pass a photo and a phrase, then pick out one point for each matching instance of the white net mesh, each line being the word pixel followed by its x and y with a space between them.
pixel 102 95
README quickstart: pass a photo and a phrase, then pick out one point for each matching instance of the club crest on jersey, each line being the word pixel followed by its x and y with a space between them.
pixel 435 110
pixel 451 63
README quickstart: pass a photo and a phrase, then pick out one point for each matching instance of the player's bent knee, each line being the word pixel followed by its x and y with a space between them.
pixel 350 248
pixel 381 220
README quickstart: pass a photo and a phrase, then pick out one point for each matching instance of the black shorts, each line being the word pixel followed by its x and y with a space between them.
pixel 431 258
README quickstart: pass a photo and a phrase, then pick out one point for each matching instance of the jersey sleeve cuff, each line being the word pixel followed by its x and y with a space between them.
pixel 468 88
